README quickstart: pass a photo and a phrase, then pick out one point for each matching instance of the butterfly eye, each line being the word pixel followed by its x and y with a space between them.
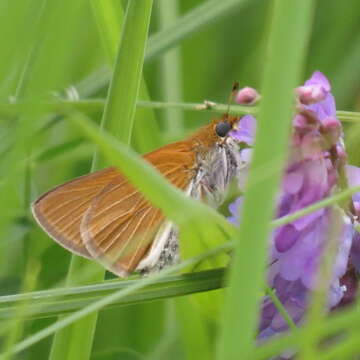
pixel 222 128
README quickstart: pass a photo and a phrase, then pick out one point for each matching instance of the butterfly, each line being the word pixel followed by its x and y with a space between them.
pixel 102 216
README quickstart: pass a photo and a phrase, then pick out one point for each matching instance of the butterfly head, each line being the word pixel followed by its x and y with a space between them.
pixel 223 126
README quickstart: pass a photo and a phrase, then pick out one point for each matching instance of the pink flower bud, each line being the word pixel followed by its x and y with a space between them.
pixel 331 123
pixel 247 96
pixel 311 94
pixel 304 122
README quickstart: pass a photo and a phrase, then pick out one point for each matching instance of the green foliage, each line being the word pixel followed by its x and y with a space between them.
pixel 57 60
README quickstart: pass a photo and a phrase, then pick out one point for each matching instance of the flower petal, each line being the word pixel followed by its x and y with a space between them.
pixel 318 78
pixel 246 130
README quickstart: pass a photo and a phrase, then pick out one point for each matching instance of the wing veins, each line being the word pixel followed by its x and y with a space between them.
pixel 121 232
pixel 116 218
pixel 67 214
pixel 54 209
pixel 118 201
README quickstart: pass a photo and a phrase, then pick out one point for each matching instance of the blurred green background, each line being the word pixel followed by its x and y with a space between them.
pixel 203 66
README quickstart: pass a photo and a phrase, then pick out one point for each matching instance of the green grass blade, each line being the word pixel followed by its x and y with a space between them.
pixel 48 303
pixel 118 118
pixel 107 300
pixel 290 27
pixel 109 16
pixel 281 308
pixel 195 334
pixel 171 74
pixel 20 311
pixel 146 130
pixel 125 84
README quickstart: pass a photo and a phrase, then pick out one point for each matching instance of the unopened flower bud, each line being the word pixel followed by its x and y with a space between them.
pixel 301 121
pixel 305 122
pixel 247 96
pixel 331 122
pixel 311 94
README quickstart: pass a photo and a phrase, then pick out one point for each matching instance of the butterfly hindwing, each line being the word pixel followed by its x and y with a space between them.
pixel 120 225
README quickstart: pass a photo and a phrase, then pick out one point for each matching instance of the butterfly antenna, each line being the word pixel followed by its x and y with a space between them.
pixel 234 89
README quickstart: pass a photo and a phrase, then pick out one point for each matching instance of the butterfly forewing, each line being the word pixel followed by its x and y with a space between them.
pixel 60 211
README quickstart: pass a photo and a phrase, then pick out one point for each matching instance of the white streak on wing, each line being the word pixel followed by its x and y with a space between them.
pixel 140 242
pixel 159 242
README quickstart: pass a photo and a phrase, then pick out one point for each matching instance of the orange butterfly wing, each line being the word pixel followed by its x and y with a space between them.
pixel 60 211
pixel 120 225
pixel 103 216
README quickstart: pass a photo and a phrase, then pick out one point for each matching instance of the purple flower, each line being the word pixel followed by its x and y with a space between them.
pixel 314 90
pixel 246 130
pixel 317 158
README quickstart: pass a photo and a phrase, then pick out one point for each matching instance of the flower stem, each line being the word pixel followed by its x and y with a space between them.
pixel 62 106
